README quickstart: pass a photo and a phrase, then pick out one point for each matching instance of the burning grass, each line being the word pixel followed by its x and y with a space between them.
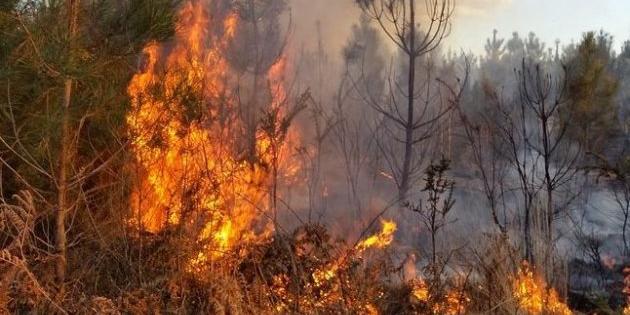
pixel 203 214
pixel 193 182
pixel 534 296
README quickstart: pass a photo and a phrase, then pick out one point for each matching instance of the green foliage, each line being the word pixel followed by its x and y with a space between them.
pixel 622 70
pixel 37 56
pixel 590 114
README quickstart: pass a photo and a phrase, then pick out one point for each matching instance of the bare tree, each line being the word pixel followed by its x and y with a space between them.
pixel 544 97
pixel 485 151
pixel 616 168
pixel 257 48
pixel 416 120
pixel 622 199
pixel 532 147
pixel 17 221
pixel 355 129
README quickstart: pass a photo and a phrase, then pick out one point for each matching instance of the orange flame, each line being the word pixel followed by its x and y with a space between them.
pixel 420 290
pixel 188 165
pixel 380 240
pixel 534 297
pixel 453 302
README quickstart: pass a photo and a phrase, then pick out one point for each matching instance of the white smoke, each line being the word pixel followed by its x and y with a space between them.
pixel 477 8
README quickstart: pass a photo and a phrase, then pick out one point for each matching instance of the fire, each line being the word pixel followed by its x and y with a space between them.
pixel 182 126
pixel 276 78
pixel 453 302
pixel 534 297
pixel 380 240
pixel 371 310
pixel 327 283
pixel 420 290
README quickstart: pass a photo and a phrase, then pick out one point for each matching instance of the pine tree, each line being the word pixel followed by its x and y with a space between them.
pixel 590 115
pixel 64 68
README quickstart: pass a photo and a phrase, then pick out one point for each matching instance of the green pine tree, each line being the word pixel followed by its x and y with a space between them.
pixel 590 114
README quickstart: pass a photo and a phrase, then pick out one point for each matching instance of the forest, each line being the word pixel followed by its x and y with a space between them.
pixel 196 157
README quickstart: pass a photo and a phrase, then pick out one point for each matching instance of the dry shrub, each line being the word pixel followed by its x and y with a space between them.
pixel 152 278
pixel 22 296
pixel 303 272
pixel 399 299
pixel 104 306
pixel 24 259
pixel 212 293
pixel 140 301
pixel 494 266
pixel 308 272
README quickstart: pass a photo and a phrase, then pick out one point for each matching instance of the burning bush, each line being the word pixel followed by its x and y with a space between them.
pixel 308 272
pixel 201 232
pixel 533 295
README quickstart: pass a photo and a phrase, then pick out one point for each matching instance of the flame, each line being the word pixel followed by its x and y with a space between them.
pixel 380 240
pixel 420 290
pixel 276 76
pixel 189 168
pixel 534 297
pixel 276 79
pixel 371 310
pixel 452 303
pixel 325 276
pixel 327 285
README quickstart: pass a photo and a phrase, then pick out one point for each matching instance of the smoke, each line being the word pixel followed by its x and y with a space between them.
pixel 329 23
pixel 335 19
pixel 477 8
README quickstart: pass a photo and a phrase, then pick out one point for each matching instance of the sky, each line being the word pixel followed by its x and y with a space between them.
pixel 474 20
pixel 565 20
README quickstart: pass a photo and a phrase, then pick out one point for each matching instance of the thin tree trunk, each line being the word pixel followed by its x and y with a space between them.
pixel 624 235
pixel 529 256
pixel 411 80
pixel 434 263
pixel 62 197
pixel 252 110
pixel 527 194
pixel 550 208
pixel 65 157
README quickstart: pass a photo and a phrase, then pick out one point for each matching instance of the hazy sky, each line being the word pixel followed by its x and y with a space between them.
pixel 475 19
pixel 549 19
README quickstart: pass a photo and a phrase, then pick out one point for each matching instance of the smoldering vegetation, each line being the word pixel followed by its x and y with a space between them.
pixel 214 157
